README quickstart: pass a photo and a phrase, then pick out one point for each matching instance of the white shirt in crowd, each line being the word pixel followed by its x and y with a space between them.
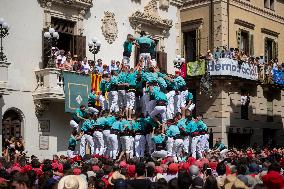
pixel 100 69
pixel 86 67
pixel 60 59
pixel 113 67
pixel 244 100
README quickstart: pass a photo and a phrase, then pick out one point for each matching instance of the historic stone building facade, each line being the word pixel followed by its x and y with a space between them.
pixel 31 95
pixel 256 27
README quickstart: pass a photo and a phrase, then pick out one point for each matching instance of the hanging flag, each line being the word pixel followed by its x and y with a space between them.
pixel 96 79
pixel 76 88
pixel 196 68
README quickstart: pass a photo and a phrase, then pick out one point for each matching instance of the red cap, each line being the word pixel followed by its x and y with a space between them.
pixel 273 180
pixel 190 160
pixel 123 164
pixel 159 169
pixel 77 158
pixel 184 166
pixel 38 171
pixel 27 168
pixel 131 170
pixel 96 168
pixel 76 171
pixel 173 168
pixel 213 165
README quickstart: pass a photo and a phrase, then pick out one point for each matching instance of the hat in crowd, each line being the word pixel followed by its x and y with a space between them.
pixel 150 164
pixel 197 183
pixel 158 176
pixel 213 165
pixel 273 180
pixel 190 160
pixel 193 171
pixel 122 164
pixel 159 169
pixel 76 171
pixel 131 170
pixel 96 168
pixel 184 166
pixel 91 174
pixel 173 168
pixel 115 176
pixel 72 182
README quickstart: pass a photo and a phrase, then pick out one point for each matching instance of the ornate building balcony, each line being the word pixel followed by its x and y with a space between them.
pixel 4 78
pixel 49 85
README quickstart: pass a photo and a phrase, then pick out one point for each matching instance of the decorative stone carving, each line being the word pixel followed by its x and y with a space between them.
pixel 75 4
pixel 40 107
pixel 150 17
pixel 109 27
pixel 164 4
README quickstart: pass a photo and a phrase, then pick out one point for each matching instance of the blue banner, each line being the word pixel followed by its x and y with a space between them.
pixel 76 88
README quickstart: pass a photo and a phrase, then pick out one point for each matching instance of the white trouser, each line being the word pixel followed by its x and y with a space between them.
pixel 177 103
pixel 86 139
pixel 146 57
pixel 99 142
pixel 126 60
pixel 159 154
pixel 191 107
pixel 103 102
pixel 199 149
pixel 170 145
pixel 121 99
pixel 204 143
pixel 170 111
pixel 93 110
pixel 127 145
pixel 186 143
pixel 183 95
pixel 113 101
pixel 74 125
pixel 150 106
pixel 71 154
pixel 130 100
pixel 150 143
pixel 145 101
pixel 106 134
pixel 139 142
pixel 113 146
pixel 178 146
pixel 194 146
pixel 160 110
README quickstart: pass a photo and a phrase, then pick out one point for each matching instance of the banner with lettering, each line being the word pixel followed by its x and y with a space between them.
pixel 196 68
pixel 76 88
pixel 230 67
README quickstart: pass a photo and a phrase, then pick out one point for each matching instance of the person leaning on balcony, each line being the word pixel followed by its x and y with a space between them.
pixel 85 66
pixel 209 55
pixel 68 64
pixel 60 59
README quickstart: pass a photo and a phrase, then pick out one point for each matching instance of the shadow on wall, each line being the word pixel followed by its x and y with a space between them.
pixel 59 124
pixel 242 131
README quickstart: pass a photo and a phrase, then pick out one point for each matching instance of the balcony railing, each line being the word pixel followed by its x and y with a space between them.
pixel 49 85
pixel 4 77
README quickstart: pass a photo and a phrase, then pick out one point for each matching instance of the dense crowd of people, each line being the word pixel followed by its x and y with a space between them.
pixel 230 169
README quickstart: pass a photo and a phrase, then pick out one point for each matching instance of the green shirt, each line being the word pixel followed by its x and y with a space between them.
pixel 72 141
pixel 127 46
pixel 80 113
pixel 92 97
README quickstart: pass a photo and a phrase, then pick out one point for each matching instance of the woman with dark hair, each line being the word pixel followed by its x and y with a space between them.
pixel 211 183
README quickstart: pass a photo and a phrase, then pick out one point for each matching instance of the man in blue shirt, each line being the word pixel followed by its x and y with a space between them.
pixel 87 130
pixel 139 128
pixel 203 145
pixel 145 44
pixel 113 138
pixel 127 46
pixel 109 120
pixel 130 92
pixel 103 88
pixel 98 135
pixel 72 142
pixel 126 138
pixel 174 132
pixel 79 116
pixel 195 136
pixel 113 93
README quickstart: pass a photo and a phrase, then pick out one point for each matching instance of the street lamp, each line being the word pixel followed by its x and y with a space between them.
pixel 4 28
pixel 94 47
pixel 178 62
pixel 51 36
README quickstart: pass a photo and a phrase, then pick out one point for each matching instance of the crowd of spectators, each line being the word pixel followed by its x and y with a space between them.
pixel 268 70
pixel 228 169
pixel 66 62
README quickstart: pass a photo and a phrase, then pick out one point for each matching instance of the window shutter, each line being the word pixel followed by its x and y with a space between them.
pixel 275 49
pixel 239 39
pixel 162 60
pixel 251 45
pixel 197 44
pixel 265 49
pixel 80 46
pixel 45 50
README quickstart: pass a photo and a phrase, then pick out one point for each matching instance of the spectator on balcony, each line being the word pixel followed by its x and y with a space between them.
pixel 68 64
pixel 60 59
pixel 85 66
pixel 209 55
pixel 77 66
pixel 105 69
pixel 99 66
pixel 226 53
pixel 217 54
pixel 113 66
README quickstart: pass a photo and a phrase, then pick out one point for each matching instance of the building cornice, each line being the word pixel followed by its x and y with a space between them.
pixel 257 10
pixel 269 32
pixel 245 24
pixel 177 3
pixel 84 5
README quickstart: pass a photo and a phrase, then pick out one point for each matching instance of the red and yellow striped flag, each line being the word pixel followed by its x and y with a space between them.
pixel 95 84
